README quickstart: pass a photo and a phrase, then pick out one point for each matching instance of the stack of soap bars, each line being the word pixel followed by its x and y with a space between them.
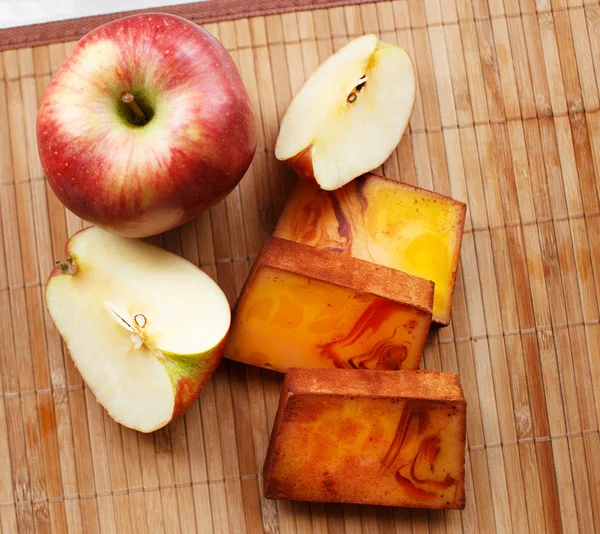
pixel 342 298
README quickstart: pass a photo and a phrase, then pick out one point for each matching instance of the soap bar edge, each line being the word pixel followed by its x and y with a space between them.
pixel 288 391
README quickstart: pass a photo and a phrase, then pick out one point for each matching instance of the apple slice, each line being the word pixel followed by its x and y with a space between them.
pixel 145 327
pixel 350 114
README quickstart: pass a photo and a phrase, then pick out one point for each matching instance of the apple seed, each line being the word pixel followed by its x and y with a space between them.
pixel 361 83
pixel 354 93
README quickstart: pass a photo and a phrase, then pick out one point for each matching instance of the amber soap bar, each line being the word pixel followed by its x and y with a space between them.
pixel 305 307
pixel 394 438
pixel 385 222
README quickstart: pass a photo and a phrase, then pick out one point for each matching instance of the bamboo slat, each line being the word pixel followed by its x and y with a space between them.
pixel 507 119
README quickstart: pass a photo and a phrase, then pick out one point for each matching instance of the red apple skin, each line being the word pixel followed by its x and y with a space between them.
pixel 189 388
pixel 303 165
pixel 136 180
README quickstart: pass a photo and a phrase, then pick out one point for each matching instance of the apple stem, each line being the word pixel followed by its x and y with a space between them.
pixel 128 99
pixel 67 266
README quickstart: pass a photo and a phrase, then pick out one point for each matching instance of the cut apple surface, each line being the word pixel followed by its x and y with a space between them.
pixel 350 114
pixel 145 327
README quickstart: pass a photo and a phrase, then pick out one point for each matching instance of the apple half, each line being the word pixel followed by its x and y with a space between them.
pixel 350 114
pixel 145 327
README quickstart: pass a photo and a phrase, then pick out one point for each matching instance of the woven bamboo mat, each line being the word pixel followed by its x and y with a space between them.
pixel 508 120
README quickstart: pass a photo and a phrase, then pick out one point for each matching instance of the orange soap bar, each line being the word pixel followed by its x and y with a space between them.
pixel 394 438
pixel 305 307
pixel 386 222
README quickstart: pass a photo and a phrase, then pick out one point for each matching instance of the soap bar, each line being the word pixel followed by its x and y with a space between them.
pixel 305 307
pixel 385 222
pixel 394 438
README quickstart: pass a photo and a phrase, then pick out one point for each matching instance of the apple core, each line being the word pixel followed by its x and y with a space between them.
pixel 354 93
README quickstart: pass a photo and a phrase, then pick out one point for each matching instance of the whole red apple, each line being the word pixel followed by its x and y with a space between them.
pixel 146 124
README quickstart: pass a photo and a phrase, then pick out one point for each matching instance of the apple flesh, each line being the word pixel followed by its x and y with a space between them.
pixel 350 114
pixel 145 327
pixel 146 124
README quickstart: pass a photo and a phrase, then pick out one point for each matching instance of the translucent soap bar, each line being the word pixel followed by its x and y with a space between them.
pixel 305 307
pixel 386 222
pixel 394 438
